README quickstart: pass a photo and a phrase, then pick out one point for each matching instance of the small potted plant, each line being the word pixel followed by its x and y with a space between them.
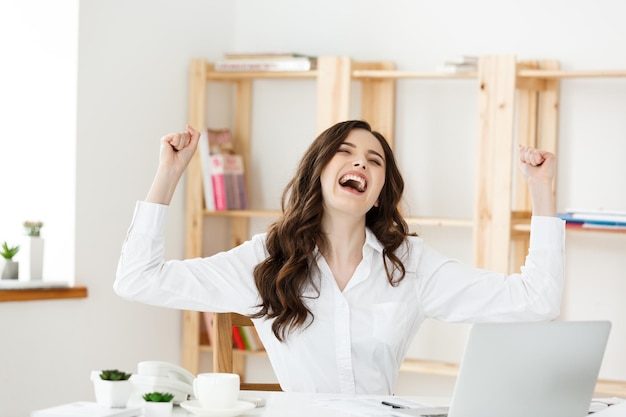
pixel 32 258
pixel 33 228
pixel 112 387
pixel 10 268
pixel 158 404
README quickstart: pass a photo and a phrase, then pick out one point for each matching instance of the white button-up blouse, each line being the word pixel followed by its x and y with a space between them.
pixel 359 336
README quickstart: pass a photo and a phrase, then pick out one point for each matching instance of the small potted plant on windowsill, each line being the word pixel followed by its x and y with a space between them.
pixel 9 268
pixel 32 265
pixel 158 404
pixel 112 387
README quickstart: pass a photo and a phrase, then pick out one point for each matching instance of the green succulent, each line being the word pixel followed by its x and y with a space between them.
pixel 158 397
pixel 114 375
pixel 9 252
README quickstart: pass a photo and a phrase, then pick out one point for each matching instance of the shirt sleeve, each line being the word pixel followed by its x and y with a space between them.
pixel 452 291
pixel 220 283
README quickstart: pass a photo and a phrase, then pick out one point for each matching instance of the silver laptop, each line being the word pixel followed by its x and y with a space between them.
pixel 546 369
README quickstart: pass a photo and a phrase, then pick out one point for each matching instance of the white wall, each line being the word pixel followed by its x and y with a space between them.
pixel 132 88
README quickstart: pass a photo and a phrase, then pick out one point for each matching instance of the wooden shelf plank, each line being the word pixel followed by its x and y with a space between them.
pixel 32 294
pixel 611 388
pixel 560 74
pixel 396 74
pixel 429 367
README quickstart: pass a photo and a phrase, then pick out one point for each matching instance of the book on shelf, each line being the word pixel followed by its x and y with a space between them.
pixel 246 338
pixel 238 339
pixel 222 172
pixel 598 214
pixel 592 222
pixel 457 69
pixel 252 338
pixel 459 65
pixel 299 63
pixel 265 55
pixel 205 166
pixel 227 176
pixel 462 60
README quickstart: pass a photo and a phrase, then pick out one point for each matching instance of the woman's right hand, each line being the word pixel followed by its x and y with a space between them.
pixel 176 152
pixel 178 148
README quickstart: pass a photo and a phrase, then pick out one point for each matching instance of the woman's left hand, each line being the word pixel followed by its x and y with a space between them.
pixel 536 164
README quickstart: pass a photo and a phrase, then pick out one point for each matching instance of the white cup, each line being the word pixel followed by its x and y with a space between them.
pixel 216 390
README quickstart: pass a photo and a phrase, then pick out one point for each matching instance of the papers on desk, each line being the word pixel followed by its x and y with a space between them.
pixel 369 406
pixel 87 409
pixel 608 407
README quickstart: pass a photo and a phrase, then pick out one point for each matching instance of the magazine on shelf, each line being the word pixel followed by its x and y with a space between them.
pixel 267 64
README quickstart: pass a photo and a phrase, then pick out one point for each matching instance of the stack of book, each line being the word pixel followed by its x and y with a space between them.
pixel 594 219
pixel 244 337
pixel 268 61
pixel 460 65
pixel 222 172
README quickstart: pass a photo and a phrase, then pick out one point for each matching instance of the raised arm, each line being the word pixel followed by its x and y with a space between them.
pixel 176 152
pixel 538 168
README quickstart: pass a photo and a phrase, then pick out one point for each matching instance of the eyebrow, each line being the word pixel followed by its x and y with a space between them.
pixel 370 151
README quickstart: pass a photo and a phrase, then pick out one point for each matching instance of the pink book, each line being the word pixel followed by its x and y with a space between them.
pixel 219 184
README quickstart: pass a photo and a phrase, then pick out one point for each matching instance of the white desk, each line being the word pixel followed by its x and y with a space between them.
pixel 282 404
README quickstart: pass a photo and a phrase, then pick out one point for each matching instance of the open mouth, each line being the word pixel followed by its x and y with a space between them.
pixel 354 182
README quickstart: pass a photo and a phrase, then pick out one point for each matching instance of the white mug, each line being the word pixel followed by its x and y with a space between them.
pixel 216 390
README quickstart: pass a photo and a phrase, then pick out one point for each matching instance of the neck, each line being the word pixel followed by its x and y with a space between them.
pixel 345 237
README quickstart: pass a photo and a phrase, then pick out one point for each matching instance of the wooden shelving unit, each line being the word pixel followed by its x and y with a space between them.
pixel 517 101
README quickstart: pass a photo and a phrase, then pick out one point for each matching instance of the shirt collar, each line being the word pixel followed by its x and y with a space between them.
pixel 372 241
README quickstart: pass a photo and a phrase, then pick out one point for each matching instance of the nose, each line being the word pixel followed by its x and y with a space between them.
pixel 359 165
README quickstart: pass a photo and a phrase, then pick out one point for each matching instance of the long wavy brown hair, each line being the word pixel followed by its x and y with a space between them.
pixel 286 273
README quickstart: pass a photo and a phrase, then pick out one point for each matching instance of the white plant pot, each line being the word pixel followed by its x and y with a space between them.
pixel 153 409
pixel 31 256
pixel 114 394
pixel 9 269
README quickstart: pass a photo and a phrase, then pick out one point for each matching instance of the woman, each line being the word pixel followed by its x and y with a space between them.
pixel 338 287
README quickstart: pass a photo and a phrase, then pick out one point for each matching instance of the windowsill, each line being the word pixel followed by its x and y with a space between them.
pixel 31 294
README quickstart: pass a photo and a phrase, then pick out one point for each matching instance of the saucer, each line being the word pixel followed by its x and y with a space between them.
pixel 194 407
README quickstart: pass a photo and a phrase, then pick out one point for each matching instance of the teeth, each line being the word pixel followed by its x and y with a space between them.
pixel 360 182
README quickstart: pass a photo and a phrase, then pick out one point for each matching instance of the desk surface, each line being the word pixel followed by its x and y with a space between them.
pixel 281 404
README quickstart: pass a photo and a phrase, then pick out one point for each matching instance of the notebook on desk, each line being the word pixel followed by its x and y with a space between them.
pixel 546 369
